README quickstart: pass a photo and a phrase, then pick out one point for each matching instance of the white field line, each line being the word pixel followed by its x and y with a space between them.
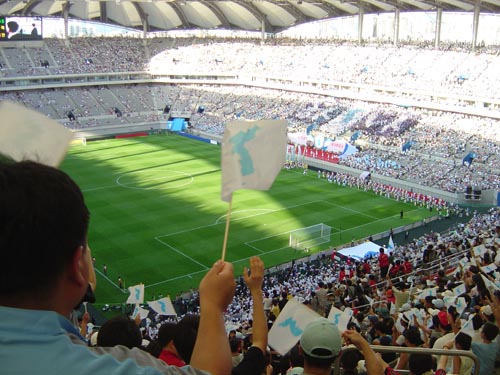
pixel 249 245
pixel 111 281
pixel 181 253
pixel 221 220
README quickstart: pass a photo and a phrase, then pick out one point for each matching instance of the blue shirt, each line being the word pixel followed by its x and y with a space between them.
pixel 44 342
pixel 486 353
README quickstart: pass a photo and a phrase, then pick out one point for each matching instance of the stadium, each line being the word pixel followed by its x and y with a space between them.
pixel 392 112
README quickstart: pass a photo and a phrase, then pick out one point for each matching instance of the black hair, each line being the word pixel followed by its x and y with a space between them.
pixel 234 344
pixel 43 221
pixel 477 322
pixel 154 348
pixel 120 330
pixel 412 334
pixel 13 26
pixel 420 363
pixel 319 362
pixel 490 331
pixel 185 337
pixel 349 361
pixel 296 359
pixel 166 333
pixel 464 341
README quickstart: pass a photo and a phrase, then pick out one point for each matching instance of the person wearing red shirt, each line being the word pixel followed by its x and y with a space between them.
pixel 407 266
pixel 366 267
pixel 342 274
pixel 166 337
pixel 383 262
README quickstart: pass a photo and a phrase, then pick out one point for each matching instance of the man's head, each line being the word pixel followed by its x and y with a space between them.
pixel 43 235
pixel 463 341
pixel 120 330
pixel 12 26
pixel 320 343
pixel 490 331
pixel 420 363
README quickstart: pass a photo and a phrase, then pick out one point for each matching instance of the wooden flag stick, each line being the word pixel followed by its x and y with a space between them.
pixel 226 233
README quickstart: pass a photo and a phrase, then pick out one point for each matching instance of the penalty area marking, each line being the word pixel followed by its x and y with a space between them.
pixel 261 211
pixel 262 252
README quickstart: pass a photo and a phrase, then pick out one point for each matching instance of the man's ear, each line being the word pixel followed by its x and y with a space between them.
pixel 79 267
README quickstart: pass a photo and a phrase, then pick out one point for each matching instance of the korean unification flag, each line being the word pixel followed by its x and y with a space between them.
pixel 489 268
pixel 136 294
pixel 163 306
pixel 460 289
pixel 253 154
pixel 489 284
pixel 480 251
pixel 290 325
pixel 143 313
pixel 428 292
pixel 339 318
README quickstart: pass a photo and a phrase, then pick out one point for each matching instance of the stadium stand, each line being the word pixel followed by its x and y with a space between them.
pixel 435 158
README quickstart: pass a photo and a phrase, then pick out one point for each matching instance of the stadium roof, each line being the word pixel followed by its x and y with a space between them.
pixel 276 15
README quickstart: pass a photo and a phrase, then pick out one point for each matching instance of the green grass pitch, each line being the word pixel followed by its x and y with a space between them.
pixel 157 217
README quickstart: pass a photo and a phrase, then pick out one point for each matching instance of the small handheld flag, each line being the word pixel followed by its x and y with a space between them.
pixel 163 306
pixel 390 245
pixel 138 310
pixel 29 135
pixel 253 154
pixel 290 325
pixel 136 294
pixel 339 318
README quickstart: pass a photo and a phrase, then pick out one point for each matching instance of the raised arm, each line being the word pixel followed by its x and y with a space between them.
pixel 211 351
pixel 374 364
pixel 253 280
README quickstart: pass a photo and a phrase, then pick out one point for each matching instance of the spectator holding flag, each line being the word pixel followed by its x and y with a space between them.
pixel 43 226
pixel 320 345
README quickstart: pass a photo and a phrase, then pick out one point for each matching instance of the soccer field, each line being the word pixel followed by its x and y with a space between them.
pixel 157 217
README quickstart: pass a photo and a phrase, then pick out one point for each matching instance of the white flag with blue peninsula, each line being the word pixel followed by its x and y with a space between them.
pixel 136 294
pixel 460 289
pixel 138 310
pixel 163 306
pixel 339 318
pixel 253 154
pixel 288 328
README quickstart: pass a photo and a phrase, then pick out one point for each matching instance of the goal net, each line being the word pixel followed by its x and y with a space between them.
pixel 310 236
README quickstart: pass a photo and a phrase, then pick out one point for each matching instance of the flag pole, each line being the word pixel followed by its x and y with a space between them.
pixel 226 233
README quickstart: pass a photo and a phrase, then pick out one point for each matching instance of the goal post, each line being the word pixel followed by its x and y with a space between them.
pixel 310 236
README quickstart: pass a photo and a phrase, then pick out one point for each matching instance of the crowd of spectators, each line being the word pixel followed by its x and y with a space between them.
pixel 439 140
pixel 439 287
pixel 452 70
